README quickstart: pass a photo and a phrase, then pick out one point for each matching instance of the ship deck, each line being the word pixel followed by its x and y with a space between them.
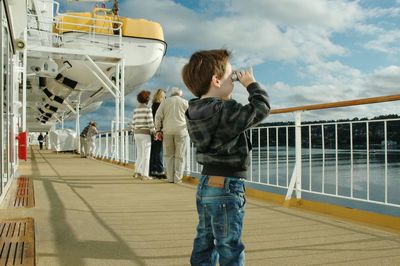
pixel 91 212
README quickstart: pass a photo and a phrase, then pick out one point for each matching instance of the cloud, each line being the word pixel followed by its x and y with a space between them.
pixel 381 26
pixel 326 15
pixel 350 85
pixel 167 76
pixel 66 5
pixel 255 30
pixel 384 81
pixel 386 42
pixel 303 33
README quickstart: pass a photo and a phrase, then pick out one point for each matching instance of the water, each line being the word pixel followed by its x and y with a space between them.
pixel 276 168
pixel 332 176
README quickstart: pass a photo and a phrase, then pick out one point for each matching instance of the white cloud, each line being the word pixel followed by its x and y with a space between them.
pixel 256 30
pixel 167 76
pixel 300 32
pixel 331 15
pixel 382 12
pixel 381 26
pixel 386 42
pixel 368 29
pixel 350 85
pixel 384 81
pixel 66 5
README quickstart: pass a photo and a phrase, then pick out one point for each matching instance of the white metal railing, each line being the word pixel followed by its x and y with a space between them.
pixel 106 146
pixel 358 169
pixel 356 160
pixel 364 171
pixel 93 31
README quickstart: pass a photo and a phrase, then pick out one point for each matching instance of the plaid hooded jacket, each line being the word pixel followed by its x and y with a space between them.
pixel 218 130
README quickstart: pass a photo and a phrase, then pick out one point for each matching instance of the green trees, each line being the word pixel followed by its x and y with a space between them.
pixel 376 133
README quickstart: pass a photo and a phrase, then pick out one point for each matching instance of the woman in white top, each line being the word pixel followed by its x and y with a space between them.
pixel 91 138
pixel 143 128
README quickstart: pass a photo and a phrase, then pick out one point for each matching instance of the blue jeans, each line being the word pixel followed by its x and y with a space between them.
pixel 156 154
pixel 221 212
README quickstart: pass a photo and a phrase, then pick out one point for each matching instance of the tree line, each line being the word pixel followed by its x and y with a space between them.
pixel 376 133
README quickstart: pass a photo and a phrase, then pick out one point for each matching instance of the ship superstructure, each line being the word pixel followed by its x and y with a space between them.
pixel 76 60
pixel 59 65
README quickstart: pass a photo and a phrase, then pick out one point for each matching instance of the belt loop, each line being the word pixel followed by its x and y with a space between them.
pixel 227 181
pixel 203 181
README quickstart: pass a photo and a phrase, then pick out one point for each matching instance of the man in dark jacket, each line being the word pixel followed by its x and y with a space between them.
pixel 41 140
pixel 217 126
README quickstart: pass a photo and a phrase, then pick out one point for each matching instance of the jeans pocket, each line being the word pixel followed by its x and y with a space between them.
pixel 220 221
pixel 237 187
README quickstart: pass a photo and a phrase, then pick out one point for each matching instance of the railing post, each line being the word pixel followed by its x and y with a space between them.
pixel 77 125
pixel 98 153
pixel 126 147
pixel 188 151
pixel 105 156
pixel 295 181
pixel 298 153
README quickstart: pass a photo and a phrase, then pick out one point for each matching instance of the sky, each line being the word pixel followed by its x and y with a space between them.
pixel 302 51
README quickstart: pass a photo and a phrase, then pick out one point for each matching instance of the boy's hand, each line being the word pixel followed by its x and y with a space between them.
pixel 246 77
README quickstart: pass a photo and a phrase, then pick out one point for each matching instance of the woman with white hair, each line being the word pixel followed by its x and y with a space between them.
pixel 170 124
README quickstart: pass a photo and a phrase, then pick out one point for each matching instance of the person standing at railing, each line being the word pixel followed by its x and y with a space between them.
pixel 171 129
pixel 91 139
pixel 41 140
pixel 46 140
pixel 143 127
pixel 217 126
pixel 83 147
pixel 156 155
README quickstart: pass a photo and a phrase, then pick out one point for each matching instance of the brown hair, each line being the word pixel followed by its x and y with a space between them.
pixel 197 73
pixel 159 96
pixel 143 96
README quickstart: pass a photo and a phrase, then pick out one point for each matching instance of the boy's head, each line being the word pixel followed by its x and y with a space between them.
pixel 206 69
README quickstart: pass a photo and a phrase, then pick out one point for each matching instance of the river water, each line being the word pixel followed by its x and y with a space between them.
pixel 276 168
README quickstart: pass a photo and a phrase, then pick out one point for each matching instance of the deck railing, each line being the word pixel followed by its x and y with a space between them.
pixel 356 160
pixel 99 31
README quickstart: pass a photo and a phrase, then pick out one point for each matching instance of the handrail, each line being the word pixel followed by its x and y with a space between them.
pixel 93 19
pixel 106 27
pixel 319 106
pixel 9 24
pixel 57 22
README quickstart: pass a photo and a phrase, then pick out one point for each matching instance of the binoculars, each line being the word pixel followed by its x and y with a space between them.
pixel 234 76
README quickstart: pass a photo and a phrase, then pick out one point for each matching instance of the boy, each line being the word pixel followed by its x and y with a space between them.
pixel 217 126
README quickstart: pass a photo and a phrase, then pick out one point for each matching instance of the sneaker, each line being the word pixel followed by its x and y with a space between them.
pixel 159 173
pixel 143 177
pixel 154 175
pixel 137 175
